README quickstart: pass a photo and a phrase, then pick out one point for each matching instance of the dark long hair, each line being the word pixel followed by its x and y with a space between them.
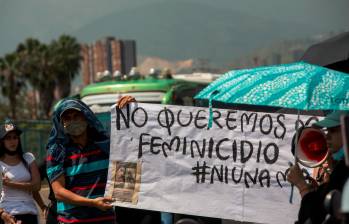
pixel 19 150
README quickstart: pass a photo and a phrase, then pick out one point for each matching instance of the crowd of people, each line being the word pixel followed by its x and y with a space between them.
pixel 77 163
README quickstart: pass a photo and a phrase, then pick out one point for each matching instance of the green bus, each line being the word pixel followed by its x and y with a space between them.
pixel 101 95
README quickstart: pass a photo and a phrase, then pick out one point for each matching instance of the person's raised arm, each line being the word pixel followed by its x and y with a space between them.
pixel 62 194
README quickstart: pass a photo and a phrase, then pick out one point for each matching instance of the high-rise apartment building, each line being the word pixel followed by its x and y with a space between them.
pixel 108 54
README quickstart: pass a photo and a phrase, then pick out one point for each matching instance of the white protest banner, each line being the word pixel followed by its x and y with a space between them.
pixel 165 158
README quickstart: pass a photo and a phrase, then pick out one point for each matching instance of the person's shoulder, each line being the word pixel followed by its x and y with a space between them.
pixel 28 157
pixel 28 154
pixel 56 148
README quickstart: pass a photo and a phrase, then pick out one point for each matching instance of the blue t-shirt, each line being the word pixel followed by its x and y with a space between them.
pixel 85 171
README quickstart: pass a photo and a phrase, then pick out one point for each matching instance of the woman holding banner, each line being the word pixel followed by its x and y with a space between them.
pixel 312 204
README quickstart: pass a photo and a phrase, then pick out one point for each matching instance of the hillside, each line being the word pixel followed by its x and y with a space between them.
pixel 192 30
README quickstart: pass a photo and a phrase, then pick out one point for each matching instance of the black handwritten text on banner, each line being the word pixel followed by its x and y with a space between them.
pixel 239 165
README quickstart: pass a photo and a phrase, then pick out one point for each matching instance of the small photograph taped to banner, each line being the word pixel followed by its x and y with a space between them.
pixel 126 181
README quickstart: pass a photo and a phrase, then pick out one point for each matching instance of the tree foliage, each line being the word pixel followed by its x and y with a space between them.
pixel 45 69
pixel 67 61
pixel 11 80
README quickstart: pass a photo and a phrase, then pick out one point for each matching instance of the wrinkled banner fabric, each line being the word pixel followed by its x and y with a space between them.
pixel 165 158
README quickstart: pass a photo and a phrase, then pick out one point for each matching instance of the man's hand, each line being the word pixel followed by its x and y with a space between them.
pixel 102 203
pixel 295 176
pixel 123 101
pixel 62 194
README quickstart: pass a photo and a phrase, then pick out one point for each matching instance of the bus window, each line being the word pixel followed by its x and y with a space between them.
pixel 185 96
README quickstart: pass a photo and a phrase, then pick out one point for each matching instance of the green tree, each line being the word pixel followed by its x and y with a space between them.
pixel 11 81
pixel 37 64
pixel 67 58
pixel 46 68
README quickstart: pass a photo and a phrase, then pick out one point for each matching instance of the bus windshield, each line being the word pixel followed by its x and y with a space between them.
pixel 101 96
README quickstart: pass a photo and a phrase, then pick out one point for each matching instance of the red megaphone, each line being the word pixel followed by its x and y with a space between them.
pixel 311 149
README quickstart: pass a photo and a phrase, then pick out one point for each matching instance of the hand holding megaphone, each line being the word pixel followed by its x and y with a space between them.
pixel 309 147
pixel 295 176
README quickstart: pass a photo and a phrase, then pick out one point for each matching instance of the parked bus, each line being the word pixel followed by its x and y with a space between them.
pixel 176 91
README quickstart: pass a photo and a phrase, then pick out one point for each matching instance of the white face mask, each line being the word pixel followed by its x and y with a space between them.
pixel 75 128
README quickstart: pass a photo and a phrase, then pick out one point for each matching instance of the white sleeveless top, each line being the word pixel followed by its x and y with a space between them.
pixel 13 200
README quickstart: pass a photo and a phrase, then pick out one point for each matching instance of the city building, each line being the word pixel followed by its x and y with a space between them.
pixel 108 54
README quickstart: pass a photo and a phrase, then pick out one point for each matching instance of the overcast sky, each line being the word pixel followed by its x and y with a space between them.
pixel 47 19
